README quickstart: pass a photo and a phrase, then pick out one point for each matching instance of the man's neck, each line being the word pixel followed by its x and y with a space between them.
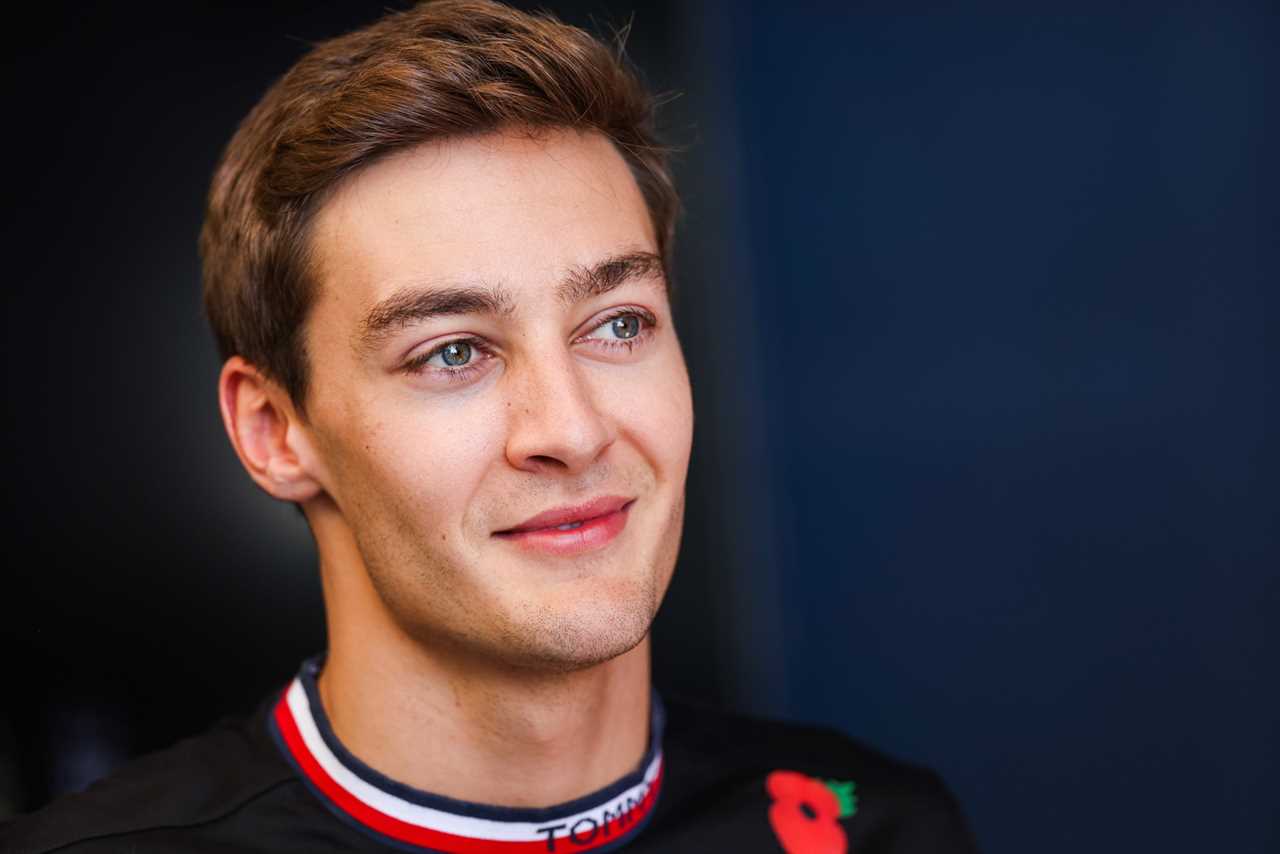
pixel 483 734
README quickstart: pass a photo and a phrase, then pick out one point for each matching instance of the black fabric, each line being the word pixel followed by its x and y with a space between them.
pixel 231 790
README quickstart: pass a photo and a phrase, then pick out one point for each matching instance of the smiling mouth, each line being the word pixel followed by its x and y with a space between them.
pixel 570 531
pixel 564 526
pixel 570 518
pixel 567 526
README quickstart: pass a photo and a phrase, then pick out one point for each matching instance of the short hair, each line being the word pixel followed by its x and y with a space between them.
pixel 439 70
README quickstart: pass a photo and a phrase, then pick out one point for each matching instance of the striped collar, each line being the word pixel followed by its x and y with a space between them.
pixel 413 820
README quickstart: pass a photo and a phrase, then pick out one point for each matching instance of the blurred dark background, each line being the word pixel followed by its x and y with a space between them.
pixel 975 300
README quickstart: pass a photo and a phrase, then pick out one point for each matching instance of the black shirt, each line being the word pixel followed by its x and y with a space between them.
pixel 280 781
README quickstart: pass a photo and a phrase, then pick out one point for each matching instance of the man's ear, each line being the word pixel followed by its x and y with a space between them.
pixel 267 433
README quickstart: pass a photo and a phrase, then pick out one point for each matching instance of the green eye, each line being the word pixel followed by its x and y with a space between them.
pixel 455 354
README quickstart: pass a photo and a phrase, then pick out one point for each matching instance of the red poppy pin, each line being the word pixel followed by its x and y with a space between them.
pixel 805 812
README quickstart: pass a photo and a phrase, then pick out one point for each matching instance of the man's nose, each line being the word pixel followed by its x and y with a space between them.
pixel 555 422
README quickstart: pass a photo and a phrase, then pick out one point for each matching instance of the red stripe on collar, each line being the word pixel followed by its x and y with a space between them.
pixel 583 829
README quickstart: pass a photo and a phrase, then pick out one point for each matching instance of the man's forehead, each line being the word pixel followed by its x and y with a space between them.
pixel 497 211
pixel 473 190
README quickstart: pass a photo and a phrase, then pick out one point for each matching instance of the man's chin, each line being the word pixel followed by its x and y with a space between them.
pixel 564 660
pixel 577 637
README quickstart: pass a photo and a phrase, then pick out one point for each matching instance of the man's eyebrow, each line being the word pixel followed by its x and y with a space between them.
pixel 582 283
pixel 416 304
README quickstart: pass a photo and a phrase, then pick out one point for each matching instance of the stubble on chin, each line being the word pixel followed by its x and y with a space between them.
pixel 563 638
pixel 553 637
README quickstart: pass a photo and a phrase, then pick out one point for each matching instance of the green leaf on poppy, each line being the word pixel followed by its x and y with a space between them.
pixel 843 790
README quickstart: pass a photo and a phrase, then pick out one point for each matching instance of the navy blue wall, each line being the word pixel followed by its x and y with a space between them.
pixel 1013 269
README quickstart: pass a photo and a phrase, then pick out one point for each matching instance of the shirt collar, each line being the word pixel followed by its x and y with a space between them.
pixel 411 818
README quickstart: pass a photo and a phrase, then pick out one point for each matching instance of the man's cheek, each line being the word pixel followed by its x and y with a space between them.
pixel 665 418
pixel 439 469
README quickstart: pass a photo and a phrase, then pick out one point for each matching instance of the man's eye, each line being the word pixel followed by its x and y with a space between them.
pixel 455 354
pixel 627 326
pixel 454 360
pixel 622 327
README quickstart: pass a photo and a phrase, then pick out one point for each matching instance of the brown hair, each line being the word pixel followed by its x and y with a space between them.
pixel 441 69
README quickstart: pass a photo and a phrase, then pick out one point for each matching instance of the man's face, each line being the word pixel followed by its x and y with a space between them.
pixel 492 340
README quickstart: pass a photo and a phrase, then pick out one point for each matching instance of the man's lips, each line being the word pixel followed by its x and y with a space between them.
pixel 571 531
pixel 575 515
